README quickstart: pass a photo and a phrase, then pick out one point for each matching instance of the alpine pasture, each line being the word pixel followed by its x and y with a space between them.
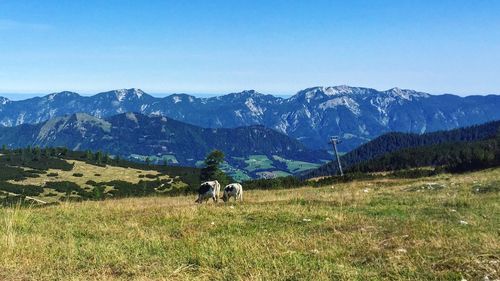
pixel 444 227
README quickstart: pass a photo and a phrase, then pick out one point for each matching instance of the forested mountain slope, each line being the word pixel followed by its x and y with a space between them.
pixel 416 149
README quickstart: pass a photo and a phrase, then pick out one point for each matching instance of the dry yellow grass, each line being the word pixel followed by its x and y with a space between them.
pixel 427 229
pixel 89 171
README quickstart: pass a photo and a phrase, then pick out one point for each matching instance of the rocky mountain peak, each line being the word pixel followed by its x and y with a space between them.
pixel 321 92
pixel 128 94
pixel 177 98
pixel 324 93
pixel 122 95
pixel 62 95
pixel 245 94
pixel 4 100
pixel 405 93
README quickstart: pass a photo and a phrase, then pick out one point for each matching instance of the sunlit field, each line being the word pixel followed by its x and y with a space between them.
pixel 441 228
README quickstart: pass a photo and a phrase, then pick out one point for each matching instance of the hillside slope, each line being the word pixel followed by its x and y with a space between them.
pixel 311 115
pixel 56 174
pixel 439 228
pixel 451 156
pixel 412 150
pixel 132 135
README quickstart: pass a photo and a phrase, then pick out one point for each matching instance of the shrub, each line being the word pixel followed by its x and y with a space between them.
pixel 91 182
pixel 28 190
pixel 79 175
pixel 415 173
pixel 68 187
pixel 98 193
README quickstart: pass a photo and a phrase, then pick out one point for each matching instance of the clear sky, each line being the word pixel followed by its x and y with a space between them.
pixel 276 47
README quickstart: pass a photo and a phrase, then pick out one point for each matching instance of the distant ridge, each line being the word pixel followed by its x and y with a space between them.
pixel 356 114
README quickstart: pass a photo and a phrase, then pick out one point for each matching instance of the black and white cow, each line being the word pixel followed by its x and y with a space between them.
pixel 207 190
pixel 233 190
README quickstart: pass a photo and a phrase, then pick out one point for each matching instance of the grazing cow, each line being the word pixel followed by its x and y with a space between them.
pixel 208 189
pixel 233 190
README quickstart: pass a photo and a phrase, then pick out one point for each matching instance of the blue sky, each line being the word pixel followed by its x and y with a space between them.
pixel 276 47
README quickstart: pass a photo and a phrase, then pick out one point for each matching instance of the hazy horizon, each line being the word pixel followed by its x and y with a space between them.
pixel 25 95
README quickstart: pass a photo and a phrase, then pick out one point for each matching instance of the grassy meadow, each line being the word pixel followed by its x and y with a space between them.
pixel 440 228
pixel 81 173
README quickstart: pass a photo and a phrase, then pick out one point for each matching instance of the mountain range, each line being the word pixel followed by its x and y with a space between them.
pixel 134 135
pixel 311 116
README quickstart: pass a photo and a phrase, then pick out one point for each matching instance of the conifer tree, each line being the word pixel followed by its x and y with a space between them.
pixel 212 170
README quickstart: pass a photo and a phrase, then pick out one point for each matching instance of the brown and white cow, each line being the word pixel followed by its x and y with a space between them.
pixel 233 190
pixel 207 190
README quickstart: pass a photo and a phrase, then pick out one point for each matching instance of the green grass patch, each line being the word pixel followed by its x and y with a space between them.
pixel 258 162
pixel 294 166
pixel 273 174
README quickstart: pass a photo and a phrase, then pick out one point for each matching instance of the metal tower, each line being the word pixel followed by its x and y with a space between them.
pixel 334 141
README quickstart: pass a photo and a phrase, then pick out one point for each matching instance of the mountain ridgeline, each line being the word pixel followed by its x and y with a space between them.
pixel 136 134
pixel 312 115
pixel 460 149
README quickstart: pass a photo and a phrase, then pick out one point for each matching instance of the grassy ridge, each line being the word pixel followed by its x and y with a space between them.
pixel 439 228
pixel 57 174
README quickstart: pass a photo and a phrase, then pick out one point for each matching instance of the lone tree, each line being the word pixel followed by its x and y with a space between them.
pixel 106 158
pixel 37 153
pixel 98 157
pixel 212 170
pixel 88 155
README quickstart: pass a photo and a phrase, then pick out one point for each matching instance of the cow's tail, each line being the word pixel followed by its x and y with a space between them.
pixel 241 193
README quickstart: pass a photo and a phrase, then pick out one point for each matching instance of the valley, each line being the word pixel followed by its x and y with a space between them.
pixel 164 141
